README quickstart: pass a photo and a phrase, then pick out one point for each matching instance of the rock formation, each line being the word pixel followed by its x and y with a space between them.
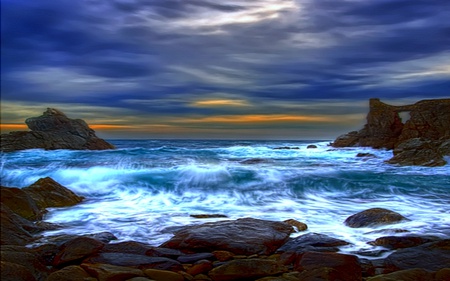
pixel 54 130
pixel 422 140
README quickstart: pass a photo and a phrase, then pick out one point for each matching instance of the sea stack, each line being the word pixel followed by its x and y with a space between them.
pixel 424 139
pixel 54 130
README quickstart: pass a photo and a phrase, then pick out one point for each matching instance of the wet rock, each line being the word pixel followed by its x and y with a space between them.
pixel 312 242
pixel 20 203
pixel 366 155
pixel 27 259
pixel 246 269
pixel 243 236
pixel 136 261
pixel 254 161
pixel 311 146
pixel 48 193
pixel 201 266
pixel 208 216
pixel 415 274
pixel 13 228
pixel 53 130
pixel 286 147
pixel 77 249
pixel 195 257
pixel 15 272
pixel 164 252
pixel 299 226
pixel 130 247
pixel 105 272
pixel 223 255
pixel 442 274
pixel 163 275
pixel 418 152
pixel 70 273
pixel 374 216
pixel 430 256
pixel 328 266
pixel 396 242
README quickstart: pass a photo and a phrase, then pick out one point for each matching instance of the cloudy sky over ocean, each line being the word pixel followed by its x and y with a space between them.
pixel 274 69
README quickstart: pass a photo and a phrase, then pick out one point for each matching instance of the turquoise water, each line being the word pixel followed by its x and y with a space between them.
pixel 145 187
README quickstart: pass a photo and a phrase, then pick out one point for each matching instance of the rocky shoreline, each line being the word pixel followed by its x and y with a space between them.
pixel 242 249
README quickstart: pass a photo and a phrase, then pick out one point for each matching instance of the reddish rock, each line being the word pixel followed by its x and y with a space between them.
pixel 13 228
pixel 15 272
pixel 415 274
pixel 26 258
pixel 299 226
pixel 163 275
pixel 48 193
pixel 397 242
pixel 77 249
pixel 328 266
pixel 20 203
pixel 202 266
pixel 107 272
pixel 130 247
pixel 53 130
pixel 374 216
pixel 223 255
pixel 243 236
pixel 246 269
pixel 312 242
pixel 70 273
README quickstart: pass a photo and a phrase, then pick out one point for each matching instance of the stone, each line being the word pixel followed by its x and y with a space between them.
pixel 208 216
pixel 48 193
pixel 15 272
pixel 223 255
pixel 442 274
pixel 312 242
pixel 77 249
pixel 328 266
pixel 70 273
pixel 136 261
pixel 245 236
pixel 107 272
pixel 130 247
pixel 311 146
pixel 201 266
pixel 163 275
pixel 164 252
pixel 13 228
pixel 53 130
pixel 20 203
pixel 374 216
pixel 246 269
pixel 195 257
pixel 431 256
pixel 300 226
pixel 27 259
pixel 415 274
pixel 429 121
pixel 397 242
pixel 366 155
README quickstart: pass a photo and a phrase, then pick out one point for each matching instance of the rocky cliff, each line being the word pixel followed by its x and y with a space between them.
pixel 54 130
pixel 424 139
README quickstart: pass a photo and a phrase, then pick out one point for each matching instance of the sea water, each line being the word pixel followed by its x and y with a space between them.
pixel 145 188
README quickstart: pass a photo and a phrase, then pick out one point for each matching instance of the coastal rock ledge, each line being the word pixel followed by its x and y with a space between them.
pixel 423 139
pixel 54 130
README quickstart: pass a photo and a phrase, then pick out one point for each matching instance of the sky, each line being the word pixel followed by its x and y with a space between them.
pixel 243 69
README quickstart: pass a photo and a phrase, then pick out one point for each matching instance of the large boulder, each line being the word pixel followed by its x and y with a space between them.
pixel 245 236
pixel 54 130
pixel 373 216
pixel 429 122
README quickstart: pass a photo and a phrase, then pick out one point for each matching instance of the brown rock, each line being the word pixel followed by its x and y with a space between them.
pixel 77 249
pixel 312 242
pixel 246 269
pixel 442 274
pixel 202 266
pixel 397 242
pixel 20 203
pixel 70 273
pixel 48 193
pixel 107 272
pixel 243 236
pixel 14 272
pixel 223 255
pixel 374 216
pixel 22 256
pixel 13 228
pixel 130 247
pixel 415 274
pixel 300 226
pixel 418 152
pixel 328 266
pixel 163 275
pixel 54 130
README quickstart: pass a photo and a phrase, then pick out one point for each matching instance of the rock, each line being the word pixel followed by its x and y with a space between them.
pixel 136 261
pixel 107 272
pixel 20 203
pixel 442 274
pixel 328 266
pixel 77 249
pixel 286 147
pixel 311 146
pixel 366 155
pixel 312 242
pixel 430 256
pixel 163 275
pixel 201 266
pixel 397 242
pixel 300 226
pixel 48 193
pixel 415 274
pixel 429 121
pixel 246 269
pixel 223 255
pixel 54 130
pixel 27 259
pixel 15 272
pixel 12 228
pixel 374 216
pixel 164 252
pixel 253 161
pixel 243 236
pixel 208 216
pixel 195 257
pixel 418 152
pixel 70 273
pixel 129 247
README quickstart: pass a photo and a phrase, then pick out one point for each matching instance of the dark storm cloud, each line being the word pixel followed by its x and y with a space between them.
pixel 161 56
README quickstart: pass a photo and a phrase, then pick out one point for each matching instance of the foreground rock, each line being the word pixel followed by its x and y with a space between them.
pixel 418 141
pixel 54 130
pixel 374 216
pixel 244 236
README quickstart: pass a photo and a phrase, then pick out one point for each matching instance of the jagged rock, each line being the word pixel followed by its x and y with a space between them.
pixel 429 122
pixel 77 249
pixel 10 271
pixel 246 269
pixel 397 242
pixel 12 228
pixel 20 202
pixel 53 130
pixel 312 242
pixel 374 216
pixel 245 236
pixel 27 259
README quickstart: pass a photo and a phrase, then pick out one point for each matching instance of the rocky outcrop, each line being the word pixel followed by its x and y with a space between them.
pixel 374 216
pixel 54 130
pixel 418 141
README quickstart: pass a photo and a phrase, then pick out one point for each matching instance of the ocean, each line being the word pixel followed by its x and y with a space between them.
pixel 145 189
